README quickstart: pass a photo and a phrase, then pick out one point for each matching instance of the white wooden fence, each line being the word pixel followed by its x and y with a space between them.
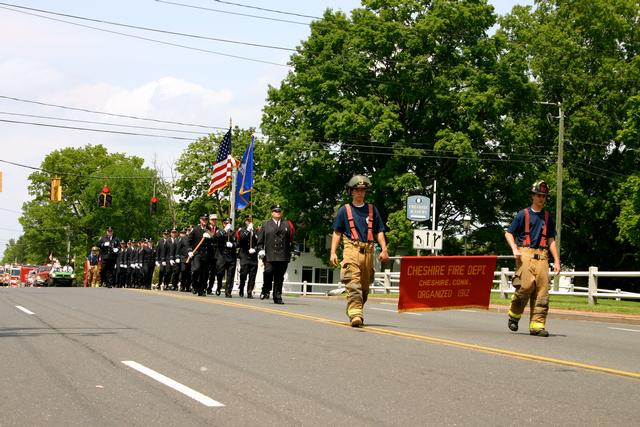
pixel 389 282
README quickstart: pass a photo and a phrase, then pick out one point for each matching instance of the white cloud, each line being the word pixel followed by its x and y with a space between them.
pixel 27 77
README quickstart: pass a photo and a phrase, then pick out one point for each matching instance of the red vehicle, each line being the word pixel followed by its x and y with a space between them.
pixel 14 275
pixel 24 272
pixel 42 275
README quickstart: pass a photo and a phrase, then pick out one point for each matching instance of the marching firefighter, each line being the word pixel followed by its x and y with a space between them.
pixel 247 242
pixel 531 237
pixel 198 255
pixel 182 253
pixel 226 257
pixel 358 225
pixel 93 262
pixel 275 246
pixel 109 247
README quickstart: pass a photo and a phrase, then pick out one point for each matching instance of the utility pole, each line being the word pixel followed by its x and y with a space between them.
pixel 556 280
pixel 559 169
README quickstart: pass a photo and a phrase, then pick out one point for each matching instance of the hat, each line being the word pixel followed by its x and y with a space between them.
pixel 165 231
pixel 109 228
pixel 249 218
pixel 95 249
pixel 204 216
pixel 228 220
pixel 174 230
pixel 276 208
pixel 184 230
pixel 540 187
pixel 213 216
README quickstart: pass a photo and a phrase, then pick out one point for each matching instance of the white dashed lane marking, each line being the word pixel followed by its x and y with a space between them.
pixel 21 308
pixel 187 391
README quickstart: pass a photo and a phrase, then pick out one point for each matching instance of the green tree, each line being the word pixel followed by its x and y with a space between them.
pixel 405 92
pixel 16 251
pixel 583 53
pixel 77 221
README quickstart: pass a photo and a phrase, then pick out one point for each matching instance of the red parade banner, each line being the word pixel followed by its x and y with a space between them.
pixel 445 282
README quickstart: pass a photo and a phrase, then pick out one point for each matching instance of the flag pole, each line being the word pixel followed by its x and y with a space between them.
pixel 232 191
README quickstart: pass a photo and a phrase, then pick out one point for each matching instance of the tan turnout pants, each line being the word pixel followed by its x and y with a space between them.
pixel 531 281
pixel 357 275
pixel 94 277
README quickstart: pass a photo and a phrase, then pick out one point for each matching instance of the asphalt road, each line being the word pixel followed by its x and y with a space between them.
pixel 117 357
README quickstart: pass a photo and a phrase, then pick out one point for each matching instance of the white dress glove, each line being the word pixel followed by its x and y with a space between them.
pixel 250 227
pixel 206 235
pixel 164 263
pixel 261 254
pixel 252 251
pixel 190 254
pixel 157 263
pixel 229 244
pixel 171 262
pixel 115 250
pixel 106 244
pixel 227 227
pixel 177 260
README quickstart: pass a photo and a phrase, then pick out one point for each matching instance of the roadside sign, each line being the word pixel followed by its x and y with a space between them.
pixel 427 239
pixel 418 208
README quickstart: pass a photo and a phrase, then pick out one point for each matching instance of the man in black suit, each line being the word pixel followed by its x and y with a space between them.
pixel 109 247
pixel 198 253
pixel 226 257
pixel 247 242
pixel 182 253
pixel 275 244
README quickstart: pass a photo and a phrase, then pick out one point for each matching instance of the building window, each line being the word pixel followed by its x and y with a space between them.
pixel 324 275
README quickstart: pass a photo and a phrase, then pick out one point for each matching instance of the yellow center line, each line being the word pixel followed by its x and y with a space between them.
pixel 407 335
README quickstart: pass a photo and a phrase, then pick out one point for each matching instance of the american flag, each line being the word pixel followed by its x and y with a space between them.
pixel 224 164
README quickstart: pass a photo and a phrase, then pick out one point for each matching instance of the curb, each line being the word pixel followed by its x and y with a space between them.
pixel 632 319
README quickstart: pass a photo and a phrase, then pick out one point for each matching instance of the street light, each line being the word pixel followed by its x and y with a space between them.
pixel 466 224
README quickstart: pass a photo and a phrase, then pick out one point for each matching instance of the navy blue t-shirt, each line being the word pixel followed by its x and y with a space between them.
pixel 536 222
pixel 361 219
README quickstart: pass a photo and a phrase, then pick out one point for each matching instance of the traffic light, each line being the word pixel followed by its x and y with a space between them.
pixel 153 207
pixel 104 200
pixel 56 189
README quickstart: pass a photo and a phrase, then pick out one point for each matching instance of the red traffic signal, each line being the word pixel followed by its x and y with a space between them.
pixel 104 199
pixel 153 206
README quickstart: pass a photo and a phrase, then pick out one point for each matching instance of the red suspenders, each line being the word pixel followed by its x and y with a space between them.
pixel 527 234
pixel 352 224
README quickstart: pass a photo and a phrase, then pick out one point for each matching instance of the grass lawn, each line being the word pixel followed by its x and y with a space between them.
pixel 566 302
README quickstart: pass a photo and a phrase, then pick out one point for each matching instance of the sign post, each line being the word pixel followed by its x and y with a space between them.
pixel 418 208
pixel 445 282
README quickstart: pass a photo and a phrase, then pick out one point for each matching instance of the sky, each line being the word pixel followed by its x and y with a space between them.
pixel 209 83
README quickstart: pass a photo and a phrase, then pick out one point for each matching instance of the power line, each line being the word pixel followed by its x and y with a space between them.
pixel 233 13
pixel 267 10
pixel 95 130
pixel 8 210
pixel 75 175
pixel 102 123
pixel 155 30
pixel 30 101
pixel 244 58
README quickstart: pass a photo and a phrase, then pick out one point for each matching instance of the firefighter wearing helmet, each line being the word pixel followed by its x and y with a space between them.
pixel 92 268
pixel 531 237
pixel 358 225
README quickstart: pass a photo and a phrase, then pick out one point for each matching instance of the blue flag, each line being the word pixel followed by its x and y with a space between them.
pixel 244 185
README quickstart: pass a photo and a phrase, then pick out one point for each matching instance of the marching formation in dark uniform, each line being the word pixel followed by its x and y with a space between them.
pixel 199 258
